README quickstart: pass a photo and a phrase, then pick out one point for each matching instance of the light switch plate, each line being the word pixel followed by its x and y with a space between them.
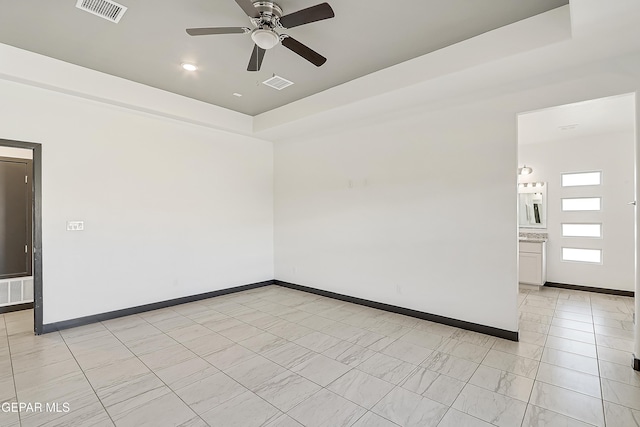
pixel 75 225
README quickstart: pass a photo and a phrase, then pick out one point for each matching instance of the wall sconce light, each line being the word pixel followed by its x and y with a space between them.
pixel 525 170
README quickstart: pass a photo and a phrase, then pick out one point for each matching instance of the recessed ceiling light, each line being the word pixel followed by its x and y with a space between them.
pixel 237 94
pixel 189 67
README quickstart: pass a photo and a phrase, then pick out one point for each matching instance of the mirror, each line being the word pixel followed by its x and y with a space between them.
pixel 532 205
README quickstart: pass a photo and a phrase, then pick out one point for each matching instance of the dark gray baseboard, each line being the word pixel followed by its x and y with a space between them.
pixel 590 289
pixel 16 307
pixel 462 324
pixel 72 323
pixel 636 363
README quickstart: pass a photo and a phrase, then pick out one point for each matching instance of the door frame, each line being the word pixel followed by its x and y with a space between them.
pixel 36 226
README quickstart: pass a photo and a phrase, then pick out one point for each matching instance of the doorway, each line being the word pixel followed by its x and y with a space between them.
pixel 31 262
pixel 583 156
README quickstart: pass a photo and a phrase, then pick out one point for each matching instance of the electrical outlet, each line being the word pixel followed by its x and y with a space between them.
pixel 75 225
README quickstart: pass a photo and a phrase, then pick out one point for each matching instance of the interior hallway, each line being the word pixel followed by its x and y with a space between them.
pixel 279 357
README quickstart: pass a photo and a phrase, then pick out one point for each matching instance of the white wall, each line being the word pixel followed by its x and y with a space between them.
pixel 613 154
pixel 389 213
pixel 170 209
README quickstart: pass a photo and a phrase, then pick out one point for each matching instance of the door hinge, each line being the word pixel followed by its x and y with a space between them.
pixel 26 179
pixel 26 249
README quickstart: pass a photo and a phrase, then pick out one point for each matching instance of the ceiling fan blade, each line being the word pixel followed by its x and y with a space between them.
pixel 305 16
pixel 256 58
pixel 306 52
pixel 216 30
pixel 249 9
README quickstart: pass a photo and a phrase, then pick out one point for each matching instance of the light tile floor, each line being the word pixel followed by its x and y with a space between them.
pixel 281 358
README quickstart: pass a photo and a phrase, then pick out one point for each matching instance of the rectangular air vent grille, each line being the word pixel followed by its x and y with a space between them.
pixel 277 82
pixel 106 9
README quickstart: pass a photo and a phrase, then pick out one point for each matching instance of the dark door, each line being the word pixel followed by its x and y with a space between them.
pixel 15 217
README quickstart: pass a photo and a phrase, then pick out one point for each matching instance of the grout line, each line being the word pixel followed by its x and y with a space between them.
pixel 86 378
pixel 13 375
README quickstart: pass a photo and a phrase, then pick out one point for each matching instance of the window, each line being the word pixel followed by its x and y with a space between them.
pixel 582 255
pixel 581 179
pixel 581 230
pixel 582 204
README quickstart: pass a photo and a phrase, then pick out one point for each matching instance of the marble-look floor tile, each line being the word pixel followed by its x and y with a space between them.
pixel 185 373
pixel 571 346
pixel 372 420
pixel 245 410
pixel 210 392
pixel 419 380
pixel 537 417
pixel 577 362
pixel 289 355
pixel 455 418
pixel 407 352
pixel 283 421
pixel 409 409
pixel 326 409
pixel 424 339
pixel 254 371
pixel 567 402
pixel 45 374
pixel 614 356
pixel 615 343
pixel 572 334
pixel 386 368
pixel 444 390
pixel 230 356
pixel 321 369
pixel 502 382
pixel 263 342
pixel 452 366
pixel 573 324
pixel 522 349
pixel 166 357
pixel 286 390
pixel 360 388
pixel 153 408
pixel 463 350
pixel 618 415
pixel 489 406
pixel 289 331
pixel 90 415
pixel 208 344
pixel 317 341
pixel 532 337
pixel 240 332
pixel 620 393
pixel 621 373
pixel 569 379
pixel 476 338
pixel 537 327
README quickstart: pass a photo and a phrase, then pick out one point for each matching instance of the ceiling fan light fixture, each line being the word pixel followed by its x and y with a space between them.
pixel 265 39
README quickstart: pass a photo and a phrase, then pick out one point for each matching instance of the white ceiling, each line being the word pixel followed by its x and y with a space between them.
pixel 149 43
pixel 579 120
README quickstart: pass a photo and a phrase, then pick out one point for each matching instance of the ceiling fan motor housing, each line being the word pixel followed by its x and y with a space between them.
pixel 270 14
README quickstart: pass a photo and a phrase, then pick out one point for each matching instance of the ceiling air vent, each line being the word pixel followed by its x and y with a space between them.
pixel 106 9
pixel 277 82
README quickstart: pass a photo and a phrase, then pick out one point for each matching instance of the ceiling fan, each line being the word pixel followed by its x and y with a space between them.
pixel 266 17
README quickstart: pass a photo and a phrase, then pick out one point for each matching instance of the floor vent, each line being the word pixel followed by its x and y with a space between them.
pixel 106 9
pixel 277 82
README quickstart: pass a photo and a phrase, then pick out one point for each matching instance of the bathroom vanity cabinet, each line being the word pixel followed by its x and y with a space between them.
pixel 533 263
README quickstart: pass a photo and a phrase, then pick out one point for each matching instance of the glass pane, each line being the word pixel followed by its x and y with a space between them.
pixel 581 230
pixel 581 204
pixel 584 178
pixel 582 255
